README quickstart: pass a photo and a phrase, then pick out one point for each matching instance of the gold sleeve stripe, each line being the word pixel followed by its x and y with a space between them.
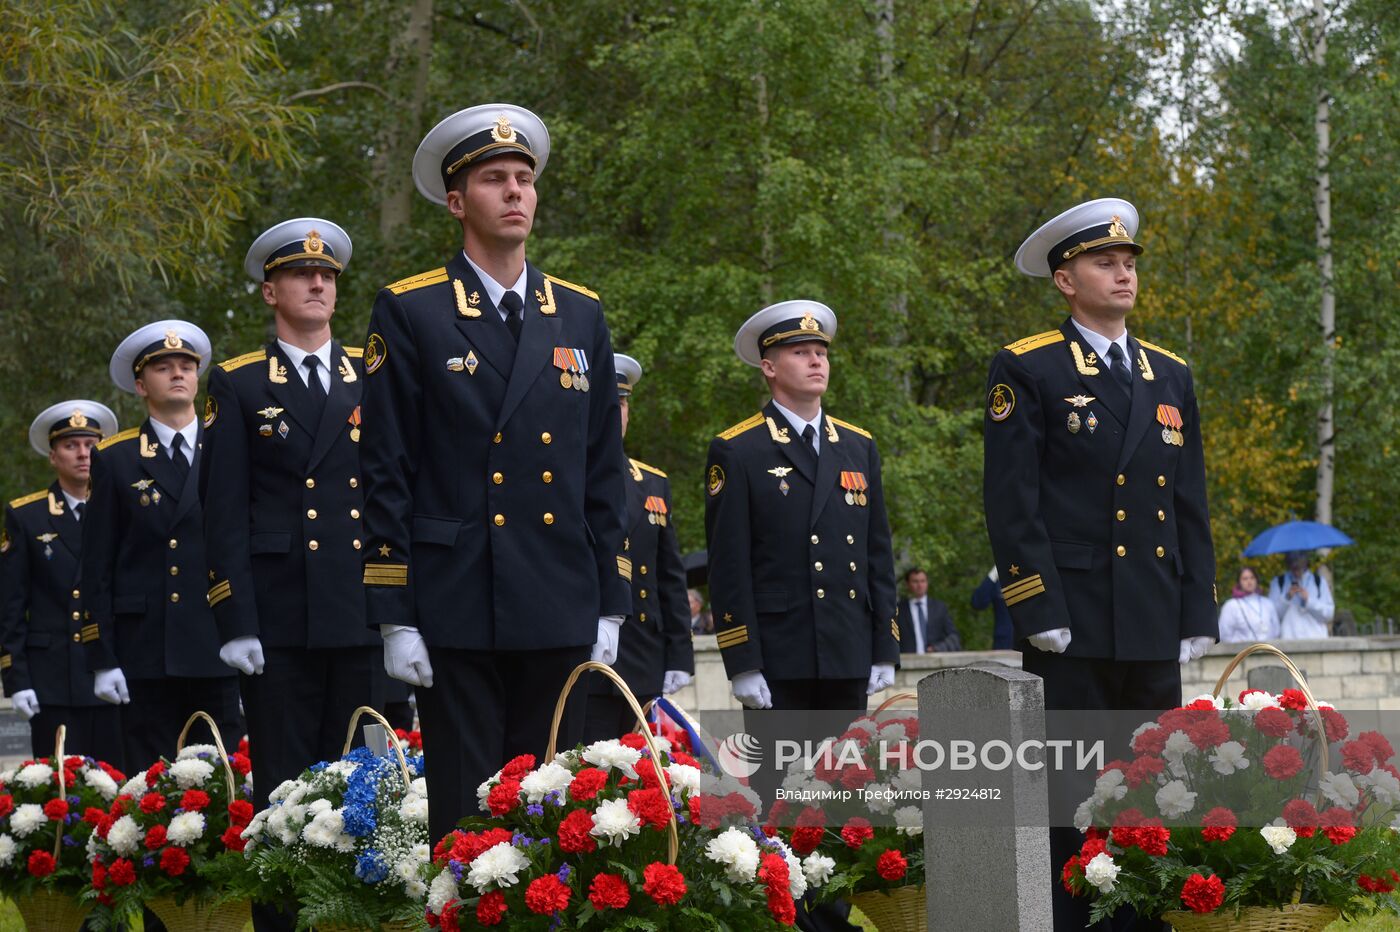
pixel 624 568
pixel 1167 353
pixel 6 661
pixel 1025 594
pixel 851 427
pixel 386 574
pixel 894 628
pixel 651 469
pixel 219 592
pixel 1048 338
pixel 26 499
pixel 741 427
pixel 128 434
pixel 1027 583
pixel 422 280
pixel 357 352
pixel 579 288
pixel 89 633
pixel 729 634
pixel 238 362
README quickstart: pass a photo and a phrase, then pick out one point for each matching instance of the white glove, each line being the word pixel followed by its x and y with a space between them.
pixel 110 686
pixel 1194 648
pixel 751 689
pixel 26 703
pixel 605 648
pixel 881 677
pixel 243 654
pixel 406 656
pixel 1056 641
pixel 674 680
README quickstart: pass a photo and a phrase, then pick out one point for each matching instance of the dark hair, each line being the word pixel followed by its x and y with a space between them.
pixel 912 570
pixel 1255 571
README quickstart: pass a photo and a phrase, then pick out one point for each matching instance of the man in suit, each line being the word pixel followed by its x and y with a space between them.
pixel 282 494
pixel 1094 486
pixel 156 649
pixel 988 595
pixel 925 627
pixel 42 626
pixel 496 557
pixel 654 653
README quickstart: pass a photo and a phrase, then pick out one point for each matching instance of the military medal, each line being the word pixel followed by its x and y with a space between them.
pixel 145 499
pixel 566 380
pixel 1170 419
pixel 265 430
pixel 283 430
pixel 1080 401
pixel 572 363
pixel 1092 422
pixel 656 510
pixel 1073 422
pixel 783 486
pixel 47 540
pixel 354 422
pixel 855 485
pixel 155 496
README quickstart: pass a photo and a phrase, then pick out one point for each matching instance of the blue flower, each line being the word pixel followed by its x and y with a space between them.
pixel 69 840
pixel 564 872
pixel 534 809
pixel 148 861
pixel 554 798
pixel 370 866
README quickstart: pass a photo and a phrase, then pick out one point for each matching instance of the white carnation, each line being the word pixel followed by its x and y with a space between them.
pixel 186 828
pixel 818 868
pixel 1340 789
pixel 1142 729
pixel 197 750
pixel 125 836
pixel 441 891
pixel 1257 701
pixel 191 773
pixel 1279 837
pixel 483 791
pixel 1175 799
pixel 419 786
pixel 7 850
pixel 1383 786
pixel 1084 814
pixel 910 780
pixel 8 776
pixel 684 778
pixel 735 850
pixel 135 787
pixel 614 822
pixel 551 778
pixel 613 755
pixel 499 865
pixel 32 776
pixel 1177 746
pixel 893 731
pixel 96 778
pixel 414 808
pixel 909 820
pixel 1229 758
pixel 26 819
pixel 283 790
pixel 1110 786
pixel 1102 872
pixel 882 797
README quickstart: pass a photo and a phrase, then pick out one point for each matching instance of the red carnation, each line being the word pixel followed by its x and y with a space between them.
pixel 1337 825
pixel 1144 768
pixel 609 891
pixel 1203 894
pixel 1333 723
pixel 1302 816
pixel 233 838
pixel 737 804
pixel 465 846
pixel 448 920
pixel 573 833
pixel 857 832
pixel 546 895
pixel 1283 762
pixel 652 807
pixel 56 809
pixel 152 803
pixel 1070 874
pixel 490 909
pixel 891 865
pixel 194 800
pixel 1218 824
pixel 1273 722
pixel 99 875
pixel 773 871
pixel 155 837
pixel 1293 699
pixel 122 873
pixel 153 773
pixel 634 741
pixel 241 764
pixel 586 784
pixel 1208 732
pixel 1358 756
pixel 93 816
pixel 1151 741
pixel 504 797
pixel 811 827
pixel 41 864
pixel 7 805
pixel 680 757
pixel 517 767
pixel 646 773
pixel 117 776
pixel 240 812
pixel 1380 747
pixel 1374 884
pixel 664 883
pixel 1091 848
pixel 120 805
pixel 781 907
pixel 1153 837
pixel 174 860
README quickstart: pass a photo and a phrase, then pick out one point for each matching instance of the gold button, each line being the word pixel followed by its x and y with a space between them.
pixel 354 512
pixel 77 639
pixel 546 438
pixel 643 594
pixel 356 544
pixel 644 569
pixel 76 594
pixel 77 616
pixel 821 593
pixel 853 566
pixel 497 478
pixel 1161 515
pixel 853 593
pixel 174 596
pixel 815 539
pixel 1122 478
pixel 354 483
pixel 1161 551
pixel 1122 551
pixel 642 616
pixel 174 543
pixel 548 518
pixel 497 438
pixel 1122 515
pixel 314 545
pixel 174 571
pixel 547 476
pixel 311 483
pixel 311 513
pixel 850 539
pixel 817 566
pixel 1161 480
pixel 500 520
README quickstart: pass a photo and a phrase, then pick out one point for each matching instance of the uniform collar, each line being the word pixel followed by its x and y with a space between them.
pixel 73 502
pixel 296 355
pixel 166 434
pixel 1100 343
pixel 800 425
pixel 494 289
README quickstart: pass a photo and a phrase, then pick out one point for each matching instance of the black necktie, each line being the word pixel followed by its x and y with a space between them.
pixel 78 510
pixel 177 457
pixel 314 386
pixel 1118 365
pixel 512 305
pixel 809 435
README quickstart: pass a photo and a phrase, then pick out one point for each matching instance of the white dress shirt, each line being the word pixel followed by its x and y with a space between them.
pixel 494 289
pixel 297 357
pixel 800 425
pixel 73 503
pixel 166 435
pixel 1100 343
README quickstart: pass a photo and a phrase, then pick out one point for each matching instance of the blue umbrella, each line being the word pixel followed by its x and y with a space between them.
pixel 1296 535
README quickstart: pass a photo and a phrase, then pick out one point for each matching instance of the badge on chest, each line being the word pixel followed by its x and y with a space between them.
pixel 855 485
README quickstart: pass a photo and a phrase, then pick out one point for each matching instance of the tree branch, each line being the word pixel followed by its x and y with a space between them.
pixel 338 86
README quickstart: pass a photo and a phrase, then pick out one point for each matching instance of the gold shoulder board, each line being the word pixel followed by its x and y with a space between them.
pixel 356 352
pixel 238 362
pixel 741 427
pixel 421 280
pixel 579 288
pixel 1167 353
pixel 128 434
pixel 27 499
pixel 1048 338
pixel 851 427
pixel 651 469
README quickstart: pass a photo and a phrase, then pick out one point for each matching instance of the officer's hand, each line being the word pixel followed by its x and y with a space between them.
pixel 1055 642
pixel 1194 648
pixel 881 677
pixel 674 680
pixel 406 656
pixel 26 703
pixel 243 654
pixel 751 689
pixel 605 648
pixel 110 686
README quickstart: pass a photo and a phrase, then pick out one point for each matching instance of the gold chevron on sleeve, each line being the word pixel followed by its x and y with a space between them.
pixel 386 574
pixel 624 568
pixel 1023 589
pixel 219 592
pixel 88 633
pixel 733 637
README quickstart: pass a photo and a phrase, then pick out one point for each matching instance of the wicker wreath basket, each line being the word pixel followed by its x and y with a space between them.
pixel 1296 917
pixel 192 916
pixel 47 911
pixel 903 909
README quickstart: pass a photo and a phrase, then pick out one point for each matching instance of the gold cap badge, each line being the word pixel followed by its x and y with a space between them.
pixel 313 243
pixel 78 419
pixel 810 323
pixel 1116 228
pixel 503 131
pixel 172 340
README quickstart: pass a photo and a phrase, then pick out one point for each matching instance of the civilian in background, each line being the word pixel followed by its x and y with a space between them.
pixel 1248 616
pixel 988 592
pixel 1302 600
pixel 925 627
pixel 700 620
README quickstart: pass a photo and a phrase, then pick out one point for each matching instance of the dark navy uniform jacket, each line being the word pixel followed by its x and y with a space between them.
pixel 283 496
pixel 656 637
pixel 41 615
pixel 495 503
pixel 801 578
pixel 1096 504
pixel 143 562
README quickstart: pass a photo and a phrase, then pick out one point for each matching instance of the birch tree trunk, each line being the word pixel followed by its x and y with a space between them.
pixel 413 49
pixel 1326 427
